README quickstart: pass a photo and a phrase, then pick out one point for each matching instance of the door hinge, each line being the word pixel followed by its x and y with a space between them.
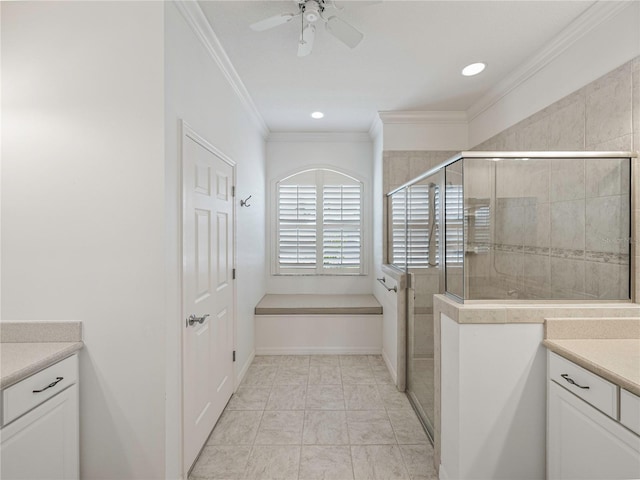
pixel 233 191
pixel 233 274
pixel 234 355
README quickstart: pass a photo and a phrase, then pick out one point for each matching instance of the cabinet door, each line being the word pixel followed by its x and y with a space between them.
pixel 43 443
pixel 583 443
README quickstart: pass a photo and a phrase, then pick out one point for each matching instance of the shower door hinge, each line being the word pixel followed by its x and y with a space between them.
pixel 233 274
pixel 234 355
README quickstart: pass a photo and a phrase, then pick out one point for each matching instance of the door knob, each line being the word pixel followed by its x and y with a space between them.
pixel 193 319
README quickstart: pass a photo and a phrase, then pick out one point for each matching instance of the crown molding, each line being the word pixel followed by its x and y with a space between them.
pixel 595 15
pixel 329 137
pixel 424 117
pixel 197 21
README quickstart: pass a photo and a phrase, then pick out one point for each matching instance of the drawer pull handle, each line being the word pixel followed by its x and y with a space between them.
pixel 52 384
pixel 572 381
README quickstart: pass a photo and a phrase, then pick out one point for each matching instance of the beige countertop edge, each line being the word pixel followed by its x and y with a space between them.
pixel 593 367
pixel 514 313
pixel 41 362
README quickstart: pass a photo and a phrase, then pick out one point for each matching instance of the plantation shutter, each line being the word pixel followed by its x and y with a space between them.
pixel 297 226
pixel 319 224
pixel 454 212
pixel 341 226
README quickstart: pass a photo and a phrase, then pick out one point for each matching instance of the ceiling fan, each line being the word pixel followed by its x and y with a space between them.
pixel 310 12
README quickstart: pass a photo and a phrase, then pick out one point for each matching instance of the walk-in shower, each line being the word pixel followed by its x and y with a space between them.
pixel 518 226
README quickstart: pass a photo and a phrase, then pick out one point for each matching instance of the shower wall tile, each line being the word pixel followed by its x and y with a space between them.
pixel 604 280
pixel 608 109
pixel 398 169
pixel 537 274
pixel 567 278
pixel 620 144
pixel 567 179
pixel 562 129
pixel 568 225
pixel 509 222
pixel 526 181
pixel 607 178
pixel 537 225
pixel 607 225
pixel 510 266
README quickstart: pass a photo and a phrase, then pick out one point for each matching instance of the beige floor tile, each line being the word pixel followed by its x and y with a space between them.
pixel 325 427
pixel 273 463
pixel 249 398
pixel 378 462
pixel 325 397
pixel 324 360
pixel 354 360
pixel 392 398
pixel 287 397
pixel 381 375
pixel 407 427
pixel 236 428
pixel 291 376
pixel 362 397
pixel 280 428
pixel 358 375
pixel 419 461
pixel 221 462
pixel 260 375
pixel 324 375
pixel 370 427
pixel 267 360
pixel 325 463
pixel 295 361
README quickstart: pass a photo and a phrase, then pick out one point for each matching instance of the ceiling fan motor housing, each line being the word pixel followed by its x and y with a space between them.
pixel 311 10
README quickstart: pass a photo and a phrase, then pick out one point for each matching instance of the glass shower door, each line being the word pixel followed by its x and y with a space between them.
pixel 424 264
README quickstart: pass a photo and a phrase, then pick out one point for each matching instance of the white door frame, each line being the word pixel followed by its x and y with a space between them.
pixel 187 131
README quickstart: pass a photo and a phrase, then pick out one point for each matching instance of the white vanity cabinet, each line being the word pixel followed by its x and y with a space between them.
pixel 585 439
pixel 39 438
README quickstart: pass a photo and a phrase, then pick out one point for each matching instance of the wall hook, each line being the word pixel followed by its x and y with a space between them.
pixel 245 203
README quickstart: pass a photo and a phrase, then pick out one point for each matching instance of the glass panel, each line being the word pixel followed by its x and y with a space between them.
pixel 454 229
pixel 397 231
pixel 539 229
pixel 424 214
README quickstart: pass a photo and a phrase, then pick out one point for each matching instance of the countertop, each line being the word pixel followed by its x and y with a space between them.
pixel 20 360
pixel 28 347
pixel 615 359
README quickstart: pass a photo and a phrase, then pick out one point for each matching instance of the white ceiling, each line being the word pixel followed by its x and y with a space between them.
pixel 410 58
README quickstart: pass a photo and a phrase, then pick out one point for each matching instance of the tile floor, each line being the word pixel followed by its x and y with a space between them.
pixel 317 417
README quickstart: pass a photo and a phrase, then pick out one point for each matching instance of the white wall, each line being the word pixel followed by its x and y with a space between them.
pixel 82 209
pixel 493 401
pixel 610 44
pixel 350 153
pixel 197 92
pixel 431 134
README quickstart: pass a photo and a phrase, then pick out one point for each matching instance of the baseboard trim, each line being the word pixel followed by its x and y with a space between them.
pixel 392 371
pixel 318 351
pixel 244 370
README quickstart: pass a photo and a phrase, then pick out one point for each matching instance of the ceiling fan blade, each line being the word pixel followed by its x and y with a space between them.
pixel 306 40
pixel 271 22
pixel 344 31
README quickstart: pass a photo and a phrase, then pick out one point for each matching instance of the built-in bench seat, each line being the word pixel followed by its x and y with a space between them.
pixel 301 304
pixel 318 324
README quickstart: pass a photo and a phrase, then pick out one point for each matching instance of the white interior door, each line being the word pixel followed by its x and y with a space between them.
pixel 208 289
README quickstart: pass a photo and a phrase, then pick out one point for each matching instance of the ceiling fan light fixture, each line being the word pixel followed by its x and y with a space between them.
pixel 473 69
pixel 317 115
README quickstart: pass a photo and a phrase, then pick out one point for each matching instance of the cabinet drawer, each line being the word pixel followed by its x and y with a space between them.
pixel 600 393
pixel 33 390
pixel 630 411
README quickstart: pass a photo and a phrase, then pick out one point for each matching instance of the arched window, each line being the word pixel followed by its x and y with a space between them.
pixel 319 224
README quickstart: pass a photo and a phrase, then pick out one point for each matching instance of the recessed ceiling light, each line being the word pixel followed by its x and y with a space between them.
pixel 473 69
pixel 317 115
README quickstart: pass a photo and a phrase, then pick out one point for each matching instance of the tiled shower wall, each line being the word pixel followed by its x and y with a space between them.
pixel 574 219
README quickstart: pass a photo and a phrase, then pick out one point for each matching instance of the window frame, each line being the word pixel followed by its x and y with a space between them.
pixel 320 269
